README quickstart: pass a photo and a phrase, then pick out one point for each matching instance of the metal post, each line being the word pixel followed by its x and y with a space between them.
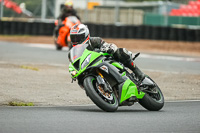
pixel 166 13
pixel 44 10
pixel 104 2
pixel 86 11
pixel 117 12
pixel 1 14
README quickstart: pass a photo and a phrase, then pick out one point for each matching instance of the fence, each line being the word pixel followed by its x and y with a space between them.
pixel 25 28
pixel 105 31
pixel 107 16
pixel 159 20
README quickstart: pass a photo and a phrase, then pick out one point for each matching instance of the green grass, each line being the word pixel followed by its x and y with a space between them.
pixel 29 67
pixel 13 103
pixel 6 35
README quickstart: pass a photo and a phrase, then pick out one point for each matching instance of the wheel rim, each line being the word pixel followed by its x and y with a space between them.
pixel 155 93
pixel 107 97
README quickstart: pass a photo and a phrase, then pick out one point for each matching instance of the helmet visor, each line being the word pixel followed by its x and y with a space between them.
pixel 77 38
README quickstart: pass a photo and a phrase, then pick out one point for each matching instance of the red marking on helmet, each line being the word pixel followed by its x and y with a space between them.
pixel 74 32
pixel 75 27
pixel 86 39
pixel 77 46
pixel 74 57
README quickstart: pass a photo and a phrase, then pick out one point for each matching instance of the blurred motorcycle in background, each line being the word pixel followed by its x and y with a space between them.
pixel 62 32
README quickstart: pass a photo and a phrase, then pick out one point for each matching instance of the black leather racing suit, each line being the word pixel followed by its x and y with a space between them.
pixel 120 54
pixel 65 12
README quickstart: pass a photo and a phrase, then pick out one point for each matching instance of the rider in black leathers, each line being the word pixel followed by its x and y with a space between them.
pixel 80 35
pixel 66 11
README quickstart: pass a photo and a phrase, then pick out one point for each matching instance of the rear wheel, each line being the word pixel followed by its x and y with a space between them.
pixel 55 37
pixel 104 100
pixel 58 47
pixel 153 100
pixel 69 44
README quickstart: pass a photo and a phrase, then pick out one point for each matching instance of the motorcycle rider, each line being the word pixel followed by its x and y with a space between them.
pixel 79 34
pixel 66 11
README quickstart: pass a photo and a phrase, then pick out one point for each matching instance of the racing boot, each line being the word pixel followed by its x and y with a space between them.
pixel 138 73
pixel 143 80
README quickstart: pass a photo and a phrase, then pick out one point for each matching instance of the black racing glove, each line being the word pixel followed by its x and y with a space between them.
pixel 108 48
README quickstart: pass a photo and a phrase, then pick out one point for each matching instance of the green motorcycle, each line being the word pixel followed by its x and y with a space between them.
pixel 109 84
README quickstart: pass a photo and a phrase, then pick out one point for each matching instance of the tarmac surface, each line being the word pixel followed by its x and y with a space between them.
pixel 39 74
pixel 175 117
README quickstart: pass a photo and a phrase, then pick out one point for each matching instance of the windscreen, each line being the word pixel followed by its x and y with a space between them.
pixel 73 19
pixel 77 51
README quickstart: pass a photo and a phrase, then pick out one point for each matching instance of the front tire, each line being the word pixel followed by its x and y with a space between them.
pixel 109 105
pixel 153 101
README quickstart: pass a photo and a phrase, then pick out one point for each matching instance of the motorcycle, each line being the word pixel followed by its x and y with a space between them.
pixel 62 35
pixel 109 84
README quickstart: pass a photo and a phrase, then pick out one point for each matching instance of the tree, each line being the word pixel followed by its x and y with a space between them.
pixel 33 6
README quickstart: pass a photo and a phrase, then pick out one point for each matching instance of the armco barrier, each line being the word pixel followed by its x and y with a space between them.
pixel 147 32
pixel 104 31
pixel 190 35
pixel 197 35
pixel 182 35
pixel 173 34
pixel 164 34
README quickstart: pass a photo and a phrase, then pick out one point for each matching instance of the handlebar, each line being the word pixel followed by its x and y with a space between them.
pixel 136 55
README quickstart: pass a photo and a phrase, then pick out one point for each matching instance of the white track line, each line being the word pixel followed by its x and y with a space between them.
pixel 169 58
pixel 45 46
pixel 162 57
pixel 85 105
pixel 180 101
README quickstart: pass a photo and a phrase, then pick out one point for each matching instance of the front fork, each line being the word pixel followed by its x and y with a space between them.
pixel 101 82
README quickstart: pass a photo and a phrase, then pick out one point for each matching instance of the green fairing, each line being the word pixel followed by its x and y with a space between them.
pixel 99 62
pixel 123 74
pixel 129 89
pixel 86 53
pixel 71 67
pixel 116 64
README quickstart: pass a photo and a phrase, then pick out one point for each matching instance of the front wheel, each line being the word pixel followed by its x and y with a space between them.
pixel 106 101
pixel 153 100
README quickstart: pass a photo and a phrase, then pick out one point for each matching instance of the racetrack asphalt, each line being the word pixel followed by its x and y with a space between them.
pixel 39 74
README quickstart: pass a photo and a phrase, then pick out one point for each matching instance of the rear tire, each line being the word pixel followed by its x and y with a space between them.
pixel 55 37
pixel 97 98
pixel 153 102
pixel 58 47
pixel 70 45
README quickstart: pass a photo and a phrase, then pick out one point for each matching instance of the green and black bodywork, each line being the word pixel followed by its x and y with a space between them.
pixel 108 83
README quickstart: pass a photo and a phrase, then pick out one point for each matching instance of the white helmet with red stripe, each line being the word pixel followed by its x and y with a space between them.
pixel 79 34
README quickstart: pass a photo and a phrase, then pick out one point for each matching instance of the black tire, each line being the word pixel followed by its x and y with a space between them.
pixel 70 45
pixel 55 37
pixel 97 98
pixel 58 47
pixel 153 102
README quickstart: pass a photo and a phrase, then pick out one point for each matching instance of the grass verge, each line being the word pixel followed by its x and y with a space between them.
pixel 13 103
